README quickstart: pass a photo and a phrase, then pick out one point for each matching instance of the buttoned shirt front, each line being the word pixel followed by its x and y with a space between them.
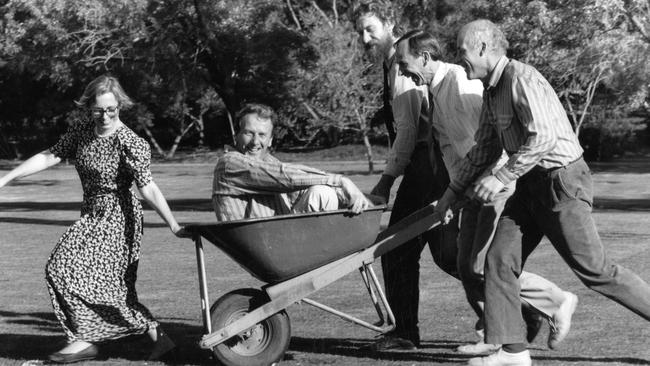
pixel 410 105
pixel 523 115
pixel 249 187
pixel 455 111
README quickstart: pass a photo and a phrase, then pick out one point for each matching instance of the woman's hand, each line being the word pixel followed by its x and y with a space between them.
pixel 180 232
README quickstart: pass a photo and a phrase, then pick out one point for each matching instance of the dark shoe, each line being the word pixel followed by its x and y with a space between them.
pixel 534 321
pixel 388 342
pixel 162 346
pixel 88 353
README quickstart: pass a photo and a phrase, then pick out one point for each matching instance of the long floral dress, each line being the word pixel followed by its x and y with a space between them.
pixel 92 270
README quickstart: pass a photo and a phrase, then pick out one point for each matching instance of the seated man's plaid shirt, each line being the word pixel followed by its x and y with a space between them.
pixel 246 187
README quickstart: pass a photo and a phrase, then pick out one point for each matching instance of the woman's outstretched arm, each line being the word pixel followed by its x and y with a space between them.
pixel 35 164
pixel 154 197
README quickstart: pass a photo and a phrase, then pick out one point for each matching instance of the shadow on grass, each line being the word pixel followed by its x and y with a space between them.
pixel 191 204
pixel 354 348
pixel 35 221
pixel 437 351
pixel 205 205
pixel 630 204
pixel 131 348
pixel 623 166
pixel 40 320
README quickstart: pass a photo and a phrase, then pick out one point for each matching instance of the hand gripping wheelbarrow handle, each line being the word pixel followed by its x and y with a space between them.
pixel 411 226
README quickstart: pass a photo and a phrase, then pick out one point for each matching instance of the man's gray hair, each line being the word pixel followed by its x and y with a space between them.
pixel 484 31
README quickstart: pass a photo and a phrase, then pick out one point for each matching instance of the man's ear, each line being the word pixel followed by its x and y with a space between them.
pixel 389 27
pixel 426 57
pixel 483 49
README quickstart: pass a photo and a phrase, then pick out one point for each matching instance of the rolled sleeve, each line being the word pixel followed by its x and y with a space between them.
pixel 237 174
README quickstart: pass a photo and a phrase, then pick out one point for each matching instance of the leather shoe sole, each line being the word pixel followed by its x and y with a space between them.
pixel 88 353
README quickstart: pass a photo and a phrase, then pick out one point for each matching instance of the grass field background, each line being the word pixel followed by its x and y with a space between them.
pixel 35 211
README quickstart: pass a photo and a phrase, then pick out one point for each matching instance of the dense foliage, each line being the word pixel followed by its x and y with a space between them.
pixel 190 64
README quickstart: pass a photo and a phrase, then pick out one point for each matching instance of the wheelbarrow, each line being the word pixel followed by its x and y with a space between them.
pixel 295 255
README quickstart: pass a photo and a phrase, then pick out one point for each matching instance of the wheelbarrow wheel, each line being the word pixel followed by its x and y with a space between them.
pixel 262 344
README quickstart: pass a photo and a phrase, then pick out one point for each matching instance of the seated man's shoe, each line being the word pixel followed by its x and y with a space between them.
pixel 88 353
pixel 389 342
pixel 478 348
pixel 503 358
pixel 534 323
pixel 560 323
pixel 162 346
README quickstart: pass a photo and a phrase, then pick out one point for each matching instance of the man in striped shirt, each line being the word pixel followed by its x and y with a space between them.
pixel 553 197
pixel 249 182
pixel 454 114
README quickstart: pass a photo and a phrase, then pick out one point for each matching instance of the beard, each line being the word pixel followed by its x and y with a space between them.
pixel 376 53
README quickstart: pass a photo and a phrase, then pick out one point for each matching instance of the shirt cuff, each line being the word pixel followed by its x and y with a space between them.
pixel 457 188
pixel 505 176
pixel 334 180
pixel 394 169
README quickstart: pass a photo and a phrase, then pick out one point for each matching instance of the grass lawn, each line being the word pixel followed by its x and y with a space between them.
pixel 35 211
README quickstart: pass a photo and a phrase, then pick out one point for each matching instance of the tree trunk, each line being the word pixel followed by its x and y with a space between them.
pixel 177 140
pixel 232 126
pixel 199 126
pixel 366 141
pixel 172 151
pixel 153 141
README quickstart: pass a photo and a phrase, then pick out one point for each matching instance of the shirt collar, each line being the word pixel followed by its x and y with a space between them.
pixel 389 62
pixel 495 76
pixel 437 78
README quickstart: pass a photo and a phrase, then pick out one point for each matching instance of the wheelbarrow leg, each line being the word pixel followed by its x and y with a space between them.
pixel 203 285
pixel 373 296
pixel 375 281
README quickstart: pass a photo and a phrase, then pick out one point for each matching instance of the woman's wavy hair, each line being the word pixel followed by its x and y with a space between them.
pixel 102 85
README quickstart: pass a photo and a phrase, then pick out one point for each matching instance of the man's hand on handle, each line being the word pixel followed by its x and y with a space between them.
pixel 444 206
pixel 382 189
pixel 358 201
pixel 487 188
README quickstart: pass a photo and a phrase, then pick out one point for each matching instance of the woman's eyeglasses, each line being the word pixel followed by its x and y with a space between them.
pixel 99 112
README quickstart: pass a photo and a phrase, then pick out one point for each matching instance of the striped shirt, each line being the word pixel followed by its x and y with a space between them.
pixel 456 109
pixel 247 187
pixel 523 115
pixel 409 104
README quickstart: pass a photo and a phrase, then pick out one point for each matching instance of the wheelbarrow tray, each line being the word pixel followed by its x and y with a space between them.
pixel 275 249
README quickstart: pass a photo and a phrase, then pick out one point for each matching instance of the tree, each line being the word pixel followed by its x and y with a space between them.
pixel 587 49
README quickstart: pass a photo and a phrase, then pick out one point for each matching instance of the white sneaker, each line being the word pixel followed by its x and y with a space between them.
pixel 478 348
pixel 560 323
pixel 503 358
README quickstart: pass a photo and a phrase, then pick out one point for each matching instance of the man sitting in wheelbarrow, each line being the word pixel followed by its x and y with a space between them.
pixel 249 182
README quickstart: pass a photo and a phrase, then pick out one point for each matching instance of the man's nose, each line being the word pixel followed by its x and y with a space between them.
pixel 366 37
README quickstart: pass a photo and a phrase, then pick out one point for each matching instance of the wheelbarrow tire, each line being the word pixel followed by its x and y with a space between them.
pixel 261 345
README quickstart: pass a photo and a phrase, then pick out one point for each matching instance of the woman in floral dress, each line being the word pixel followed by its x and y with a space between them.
pixel 91 272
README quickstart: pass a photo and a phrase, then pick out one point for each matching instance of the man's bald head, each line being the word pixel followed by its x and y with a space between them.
pixel 480 45
pixel 481 32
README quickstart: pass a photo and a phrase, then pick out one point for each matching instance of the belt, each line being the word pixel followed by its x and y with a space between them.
pixel 546 171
